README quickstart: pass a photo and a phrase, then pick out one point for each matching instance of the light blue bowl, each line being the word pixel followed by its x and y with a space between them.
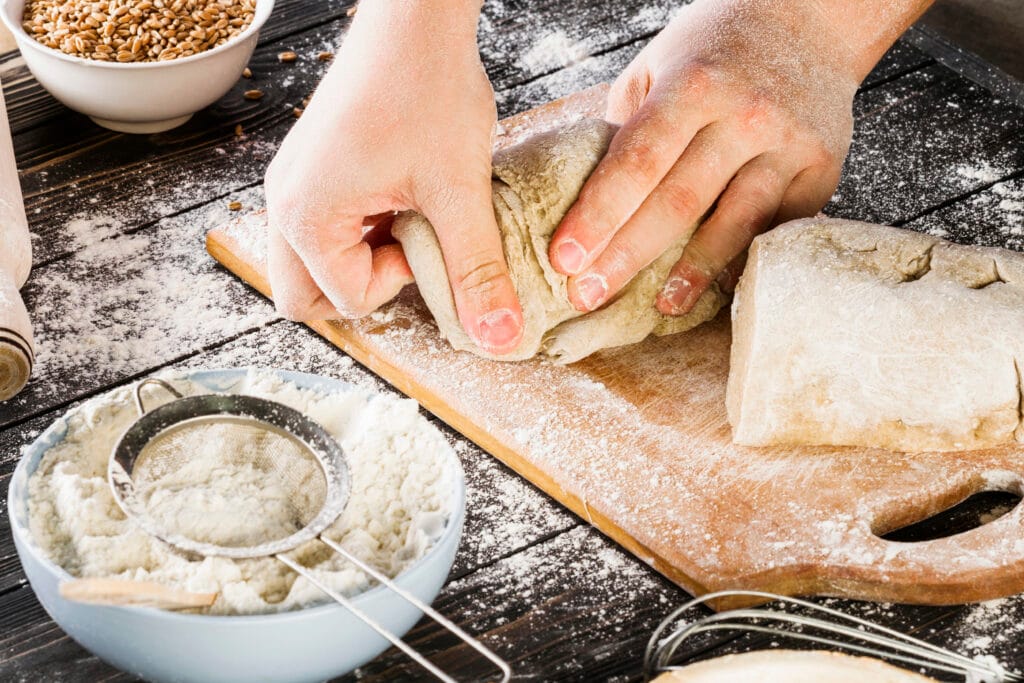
pixel 306 645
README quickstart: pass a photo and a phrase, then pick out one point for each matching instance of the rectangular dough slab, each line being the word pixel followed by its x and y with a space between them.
pixel 848 333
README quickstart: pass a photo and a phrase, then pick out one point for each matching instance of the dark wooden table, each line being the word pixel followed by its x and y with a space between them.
pixel 122 287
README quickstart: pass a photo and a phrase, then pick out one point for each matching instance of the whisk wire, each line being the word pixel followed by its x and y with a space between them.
pixel 864 637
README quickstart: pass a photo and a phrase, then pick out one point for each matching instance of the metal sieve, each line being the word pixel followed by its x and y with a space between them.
pixel 162 441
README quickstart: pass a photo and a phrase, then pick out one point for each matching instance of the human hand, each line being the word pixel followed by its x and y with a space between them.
pixel 737 111
pixel 403 120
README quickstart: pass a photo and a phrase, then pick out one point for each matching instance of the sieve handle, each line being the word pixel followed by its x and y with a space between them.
pixel 158 382
pixel 434 615
pixel 121 592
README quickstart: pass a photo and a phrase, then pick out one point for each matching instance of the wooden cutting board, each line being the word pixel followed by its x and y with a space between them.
pixel 635 440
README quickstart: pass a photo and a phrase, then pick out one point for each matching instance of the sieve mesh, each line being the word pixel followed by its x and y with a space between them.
pixel 228 475
pixel 232 482
pixel 256 461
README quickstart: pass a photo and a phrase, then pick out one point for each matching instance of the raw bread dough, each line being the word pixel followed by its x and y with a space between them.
pixel 849 333
pixel 791 666
pixel 534 185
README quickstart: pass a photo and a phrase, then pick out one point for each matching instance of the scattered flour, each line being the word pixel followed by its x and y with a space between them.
pixel 85 230
pixel 402 476
pixel 554 51
pixel 985 172
pixel 127 302
pixel 510 37
pixel 993 217
pixel 990 630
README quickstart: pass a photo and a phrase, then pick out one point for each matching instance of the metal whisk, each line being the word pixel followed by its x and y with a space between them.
pixel 828 627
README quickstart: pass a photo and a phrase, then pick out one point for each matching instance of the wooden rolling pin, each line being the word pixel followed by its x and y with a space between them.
pixel 16 349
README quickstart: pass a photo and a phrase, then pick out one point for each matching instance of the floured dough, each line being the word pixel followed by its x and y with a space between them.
pixel 849 333
pixel 534 185
pixel 791 666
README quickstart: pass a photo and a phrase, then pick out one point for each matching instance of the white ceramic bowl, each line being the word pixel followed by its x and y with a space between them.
pixel 143 97
pixel 313 644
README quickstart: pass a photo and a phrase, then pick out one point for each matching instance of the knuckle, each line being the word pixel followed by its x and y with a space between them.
pixel 821 155
pixel 482 277
pixel 622 258
pixel 641 160
pixel 627 94
pixel 759 195
pixel 756 111
pixel 698 263
pixel 751 213
pixel 749 206
pixel 450 195
pixel 697 77
pixel 681 200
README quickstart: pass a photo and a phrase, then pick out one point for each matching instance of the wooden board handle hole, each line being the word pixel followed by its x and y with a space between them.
pixel 978 509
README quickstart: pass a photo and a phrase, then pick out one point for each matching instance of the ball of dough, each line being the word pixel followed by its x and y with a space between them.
pixel 534 185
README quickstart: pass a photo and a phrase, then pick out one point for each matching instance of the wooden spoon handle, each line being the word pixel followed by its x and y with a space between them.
pixel 97 591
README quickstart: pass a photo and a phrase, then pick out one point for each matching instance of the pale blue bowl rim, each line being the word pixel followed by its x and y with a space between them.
pixel 211 379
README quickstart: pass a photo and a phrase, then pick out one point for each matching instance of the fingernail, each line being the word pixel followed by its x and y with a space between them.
pixel 592 290
pixel 499 330
pixel 680 296
pixel 571 256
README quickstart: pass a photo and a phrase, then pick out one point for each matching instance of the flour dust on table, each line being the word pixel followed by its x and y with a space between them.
pixel 401 474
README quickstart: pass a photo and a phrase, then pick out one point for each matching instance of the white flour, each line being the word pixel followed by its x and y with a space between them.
pixel 402 479
pixel 222 493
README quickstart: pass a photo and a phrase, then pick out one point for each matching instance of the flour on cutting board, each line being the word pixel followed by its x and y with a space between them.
pixel 402 481
pixel 585 431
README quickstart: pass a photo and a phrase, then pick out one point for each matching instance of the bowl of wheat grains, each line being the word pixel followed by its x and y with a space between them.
pixel 136 66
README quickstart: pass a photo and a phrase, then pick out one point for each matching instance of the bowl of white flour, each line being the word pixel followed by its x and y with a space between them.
pixel 404 517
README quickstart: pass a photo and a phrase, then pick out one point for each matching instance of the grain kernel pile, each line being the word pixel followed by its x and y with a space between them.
pixel 136 30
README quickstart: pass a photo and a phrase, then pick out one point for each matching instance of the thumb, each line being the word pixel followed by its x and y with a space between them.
pixel 485 298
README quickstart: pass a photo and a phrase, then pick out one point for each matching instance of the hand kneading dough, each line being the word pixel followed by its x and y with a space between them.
pixel 534 185
pixel 849 333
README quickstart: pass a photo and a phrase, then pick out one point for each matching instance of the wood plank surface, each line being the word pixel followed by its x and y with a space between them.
pixel 194 172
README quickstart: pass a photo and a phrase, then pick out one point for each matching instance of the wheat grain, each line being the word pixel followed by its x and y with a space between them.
pixel 136 30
